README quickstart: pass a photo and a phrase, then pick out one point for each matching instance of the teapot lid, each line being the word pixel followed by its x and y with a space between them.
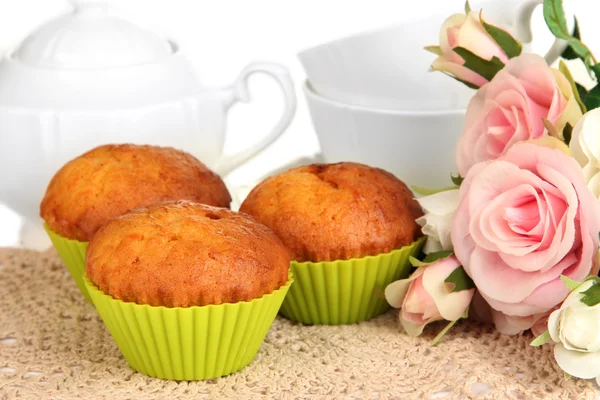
pixel 91 38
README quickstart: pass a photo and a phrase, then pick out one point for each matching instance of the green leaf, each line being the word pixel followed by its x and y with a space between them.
pixel 427 192
pixel 570 283
pixel 582 51
pixel 438 255
pixel 554 15
pixel 562 66
pixel 443 332
pixel 415 262
pixel 458 280
pixel 582 92
pixel 430 258
pixel 467 7
pixel 511 46
pixel 591 297
pixel 592 99
pixel 550 128
pixel 540 340
pixel 434 49
pixel 594 278
pixel 469 84
pixel 457 180
pixel 569 54
pixel 486 68
pixel 567 132
pixel 576 33
pixel 596 70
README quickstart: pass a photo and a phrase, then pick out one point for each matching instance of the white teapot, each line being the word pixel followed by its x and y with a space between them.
pixel 89 78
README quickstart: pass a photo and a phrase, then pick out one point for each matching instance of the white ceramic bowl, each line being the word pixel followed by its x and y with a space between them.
pixel 387 68
pixel 416 146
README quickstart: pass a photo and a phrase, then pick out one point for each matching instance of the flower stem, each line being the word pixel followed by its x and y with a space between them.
pixel 440 335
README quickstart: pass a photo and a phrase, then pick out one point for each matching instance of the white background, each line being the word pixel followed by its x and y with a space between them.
pixel 220 37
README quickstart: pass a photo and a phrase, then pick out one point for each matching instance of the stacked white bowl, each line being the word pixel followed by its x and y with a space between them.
pixel 374 100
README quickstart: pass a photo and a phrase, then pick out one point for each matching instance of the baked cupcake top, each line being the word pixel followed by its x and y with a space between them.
pixel 183 254
pixel 326 212
pixel 109 180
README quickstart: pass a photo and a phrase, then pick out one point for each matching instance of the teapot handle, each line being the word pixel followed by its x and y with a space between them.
pixel 239 92
pixel 523 30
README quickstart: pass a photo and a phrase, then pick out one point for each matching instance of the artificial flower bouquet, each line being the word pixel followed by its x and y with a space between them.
pixel 515 240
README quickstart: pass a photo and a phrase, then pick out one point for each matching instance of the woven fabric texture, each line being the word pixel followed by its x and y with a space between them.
pixel 53 345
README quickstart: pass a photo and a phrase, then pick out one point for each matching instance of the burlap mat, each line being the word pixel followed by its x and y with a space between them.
pixel 54 346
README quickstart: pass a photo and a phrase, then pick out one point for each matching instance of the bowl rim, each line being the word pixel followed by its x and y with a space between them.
pixel 390 27
pixel 310 92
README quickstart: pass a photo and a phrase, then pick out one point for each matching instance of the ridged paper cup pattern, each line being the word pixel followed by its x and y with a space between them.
pixel 345 291
pixel 72 253
pixel 192 343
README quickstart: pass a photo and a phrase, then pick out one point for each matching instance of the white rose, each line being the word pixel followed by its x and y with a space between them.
pixel 575 328
pixel 585 147
pixel 437 221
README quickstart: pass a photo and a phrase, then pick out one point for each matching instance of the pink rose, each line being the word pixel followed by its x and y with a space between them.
pixel 513 325
pixel 540 325
pixel 481 311
pixel 424 297
pixel 466 31
pixel 524 220
pixel 510 109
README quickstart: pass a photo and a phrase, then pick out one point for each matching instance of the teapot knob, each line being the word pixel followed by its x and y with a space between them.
pixel 89 5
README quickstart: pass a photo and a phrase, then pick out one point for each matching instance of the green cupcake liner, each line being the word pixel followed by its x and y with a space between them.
pixel 345 291
pixel 72 253
pixel 191 343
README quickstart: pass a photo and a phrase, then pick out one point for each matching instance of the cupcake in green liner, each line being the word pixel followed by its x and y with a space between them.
pixel 72 253
pixel 351 229
pixel 109 180
pixel 345 291
pixel 190 343
pixel 186 290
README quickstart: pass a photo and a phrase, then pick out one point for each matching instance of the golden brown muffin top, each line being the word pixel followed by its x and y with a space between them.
pixel 183 254
pixel 109 180
pixel 326 212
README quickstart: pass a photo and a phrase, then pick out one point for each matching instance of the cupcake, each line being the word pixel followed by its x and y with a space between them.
pixel 188 291
pixel 109 180
pixel 351 229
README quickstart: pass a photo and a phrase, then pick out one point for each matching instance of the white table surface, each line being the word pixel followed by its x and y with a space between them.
pixel 220 37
